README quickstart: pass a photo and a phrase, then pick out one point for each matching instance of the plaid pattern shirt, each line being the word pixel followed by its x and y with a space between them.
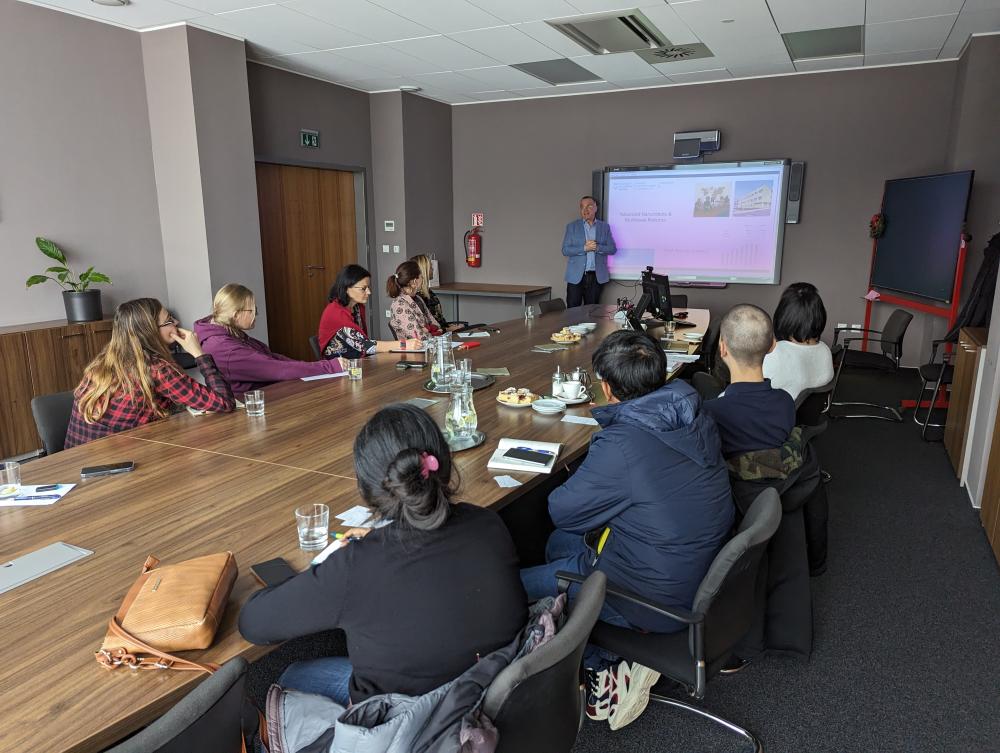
pixel 126 410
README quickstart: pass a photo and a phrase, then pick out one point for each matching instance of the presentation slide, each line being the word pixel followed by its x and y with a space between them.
pixel 722 222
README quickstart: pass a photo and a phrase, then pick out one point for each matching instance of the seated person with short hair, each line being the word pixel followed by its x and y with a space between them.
pixel 655 485
pixel 751 414
pixel 800 360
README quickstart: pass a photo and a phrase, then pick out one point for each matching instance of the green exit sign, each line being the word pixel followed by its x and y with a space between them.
pixel 309 139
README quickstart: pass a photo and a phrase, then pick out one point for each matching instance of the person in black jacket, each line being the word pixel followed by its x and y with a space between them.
pixel 655 490
pixel 420 598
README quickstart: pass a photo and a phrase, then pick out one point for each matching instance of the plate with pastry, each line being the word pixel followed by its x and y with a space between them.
pixel 516 397
pixel 566 335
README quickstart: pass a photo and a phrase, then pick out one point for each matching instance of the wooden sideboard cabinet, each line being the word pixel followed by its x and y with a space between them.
pixel 39 359
pixel 971 341
pixel 989 510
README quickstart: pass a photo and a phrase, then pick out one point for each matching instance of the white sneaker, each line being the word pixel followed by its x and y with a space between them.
pixel 600 688
pixel 631 696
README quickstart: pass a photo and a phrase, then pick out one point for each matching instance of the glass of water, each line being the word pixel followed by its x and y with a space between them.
pixel 529 313
pixel 313 522
pixel 671 328
pixel 254 402
pixel 10 479
pixel 354 370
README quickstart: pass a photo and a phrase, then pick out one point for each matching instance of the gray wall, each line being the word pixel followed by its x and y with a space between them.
pixel 388 170
pixel 75 159
pixel 525 164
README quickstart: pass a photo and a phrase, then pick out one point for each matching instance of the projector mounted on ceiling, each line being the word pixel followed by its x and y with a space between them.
pixel 616 32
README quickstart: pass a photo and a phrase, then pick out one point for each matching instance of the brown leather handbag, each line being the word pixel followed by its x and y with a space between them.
pixel 171 608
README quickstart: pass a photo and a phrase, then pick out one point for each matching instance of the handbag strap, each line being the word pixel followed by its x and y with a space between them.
pixel 115 657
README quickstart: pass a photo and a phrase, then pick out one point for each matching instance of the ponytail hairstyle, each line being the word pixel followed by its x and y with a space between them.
pixel 406 273
pixel 404 470
pixel 424 262
pixel 123 365
pixel 229 302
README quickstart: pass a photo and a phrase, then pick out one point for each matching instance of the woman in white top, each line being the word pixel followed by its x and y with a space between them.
pixel 800 360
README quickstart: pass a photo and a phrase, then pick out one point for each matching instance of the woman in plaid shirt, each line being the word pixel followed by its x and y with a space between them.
pixel 134 379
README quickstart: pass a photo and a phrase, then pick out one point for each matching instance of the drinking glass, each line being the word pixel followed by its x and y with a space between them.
pixel 354 369
pixel 10 479
pixel 254 402
pixel 671 328
pixel 313 522
pixel 529 312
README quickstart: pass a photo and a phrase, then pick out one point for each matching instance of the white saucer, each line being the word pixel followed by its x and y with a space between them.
pixel 584 398
pixel 548 406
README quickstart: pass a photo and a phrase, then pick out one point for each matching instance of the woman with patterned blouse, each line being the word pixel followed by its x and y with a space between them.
pixel 409 316
pixel 425 292
pixel 343 329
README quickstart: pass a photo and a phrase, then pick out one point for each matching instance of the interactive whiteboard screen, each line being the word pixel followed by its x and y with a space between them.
pixel 722 222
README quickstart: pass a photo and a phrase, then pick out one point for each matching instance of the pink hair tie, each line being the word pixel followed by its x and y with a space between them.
pixel 428 463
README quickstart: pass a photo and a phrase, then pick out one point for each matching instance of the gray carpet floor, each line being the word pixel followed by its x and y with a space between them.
pixel 907 618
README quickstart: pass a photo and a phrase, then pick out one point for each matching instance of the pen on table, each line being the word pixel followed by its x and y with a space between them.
pixel 38 496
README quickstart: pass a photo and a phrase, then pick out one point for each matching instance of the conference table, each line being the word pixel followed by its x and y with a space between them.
pixel 211 483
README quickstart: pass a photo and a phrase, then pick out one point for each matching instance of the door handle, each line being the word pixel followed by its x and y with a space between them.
pixel 72 334
pixel 310 268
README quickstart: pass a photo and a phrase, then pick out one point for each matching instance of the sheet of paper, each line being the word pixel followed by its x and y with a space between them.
pixel 586 420
pixel 360 516
pixel 500 371
pixel 28 491
pixel 472 334
pixel 506 482
pixel 324 376
pixel 333 546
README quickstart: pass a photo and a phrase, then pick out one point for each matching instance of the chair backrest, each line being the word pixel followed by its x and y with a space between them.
pixel 206 720
pixel 726 593
pixel 710 345
pixel 536 702
pixel 892 333
pixel 812 403
pixel 678 300
pixel 52 414
pixel 314 344
pixel 708 386
pixel 556 304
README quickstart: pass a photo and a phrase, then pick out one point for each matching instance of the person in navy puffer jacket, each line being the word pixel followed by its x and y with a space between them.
pixel 654 483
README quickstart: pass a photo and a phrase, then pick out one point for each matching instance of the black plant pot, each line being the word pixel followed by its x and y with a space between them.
pixel 84 306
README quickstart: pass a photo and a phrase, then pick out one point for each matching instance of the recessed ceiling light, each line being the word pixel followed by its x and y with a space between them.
pixel 410 89
pixel 113 3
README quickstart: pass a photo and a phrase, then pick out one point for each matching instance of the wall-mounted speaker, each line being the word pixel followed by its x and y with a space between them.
pixel 796 179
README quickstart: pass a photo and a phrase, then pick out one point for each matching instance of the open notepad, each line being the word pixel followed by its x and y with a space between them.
pixel 499 462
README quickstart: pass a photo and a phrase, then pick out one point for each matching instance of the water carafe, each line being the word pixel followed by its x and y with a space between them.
pixel 443 363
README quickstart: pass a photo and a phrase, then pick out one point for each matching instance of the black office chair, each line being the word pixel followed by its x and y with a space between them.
pixel 722 613
pixel 891 342
pixel 556 304
pixel 52 414
pixel 206 720
pixel 706 385
pixel 940 373
pixel 678 301
pixel 812 404
pixel 314 345
pixel 537 702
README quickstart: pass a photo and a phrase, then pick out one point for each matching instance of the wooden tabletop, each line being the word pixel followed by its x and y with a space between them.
pixel 212 483
pixel 486 288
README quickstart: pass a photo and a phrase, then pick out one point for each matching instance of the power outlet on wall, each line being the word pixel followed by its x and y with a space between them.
pixel 388 314
pixel 841 325
pixel 855 326
pixel 385 248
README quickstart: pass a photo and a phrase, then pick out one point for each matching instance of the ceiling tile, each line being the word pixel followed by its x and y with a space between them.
pixel 140 14
pixel 519 11
pixel 766 48
pixel 359 16
pixel 644 83
pixel 623 66
pixel 972 6
pixel 506 44
pixel 666 20
pixel 330 65
pixel 448 82
pixel 825 43
pixel 554 40
pixel 450 98
pixel 750 18
pixel 894 58
pixel 219 6
pixel 596 86
pixel 687 66
pixel 384 57
pixel 382 83
pixel 970 22
pixel 444 52
pixel 903 36
pixel 259 44
pixel 899 10
pixel 803 15
pixel 718 74
pixel 829 64
pixel 602 6
pixel 502 77
pixel 761 69
pixel 279 22
pixel 443 16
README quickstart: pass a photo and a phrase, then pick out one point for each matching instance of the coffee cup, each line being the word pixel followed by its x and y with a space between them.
pixel 572 389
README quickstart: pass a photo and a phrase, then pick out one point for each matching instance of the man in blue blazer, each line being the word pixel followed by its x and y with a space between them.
pixel 586 245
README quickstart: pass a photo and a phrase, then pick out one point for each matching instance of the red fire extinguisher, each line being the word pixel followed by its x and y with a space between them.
pixel 474 247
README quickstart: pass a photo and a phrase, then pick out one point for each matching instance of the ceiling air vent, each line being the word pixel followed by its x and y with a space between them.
pixel 617 32
pixel 676 53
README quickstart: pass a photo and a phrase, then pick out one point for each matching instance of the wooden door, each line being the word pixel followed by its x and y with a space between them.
pixel 58 357
pixel 17 427
pixel 308 232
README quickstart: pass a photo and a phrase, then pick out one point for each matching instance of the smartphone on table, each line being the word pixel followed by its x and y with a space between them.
pixel 527 455
pixel 273 572
pixel 107 470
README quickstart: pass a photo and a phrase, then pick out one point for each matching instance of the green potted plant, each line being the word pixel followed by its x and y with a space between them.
pixel 82 303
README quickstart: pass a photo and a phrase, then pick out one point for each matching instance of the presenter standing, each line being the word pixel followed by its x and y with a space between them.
pixel 586 246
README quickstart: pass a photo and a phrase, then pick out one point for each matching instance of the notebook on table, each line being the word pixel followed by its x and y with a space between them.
pixel 502 460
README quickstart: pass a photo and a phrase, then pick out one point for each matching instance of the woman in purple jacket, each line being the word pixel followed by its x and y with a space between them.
pixel 246 363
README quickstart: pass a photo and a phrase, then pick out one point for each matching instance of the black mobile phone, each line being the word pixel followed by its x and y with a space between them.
pixel 528 456
pixel 273 572
pixel 47 488
pixel 107 470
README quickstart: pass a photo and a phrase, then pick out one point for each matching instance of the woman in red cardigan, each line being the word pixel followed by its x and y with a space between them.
pixel 343 328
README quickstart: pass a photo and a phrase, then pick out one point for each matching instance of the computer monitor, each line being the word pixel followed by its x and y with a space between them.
pixel 658 289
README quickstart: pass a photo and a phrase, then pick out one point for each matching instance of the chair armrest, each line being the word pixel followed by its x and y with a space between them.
pixel 563 579
pixel 838 330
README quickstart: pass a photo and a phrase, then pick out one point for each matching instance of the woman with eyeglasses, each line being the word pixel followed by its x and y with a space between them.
pixel 246 362
pixel 343 328
pixel 134 379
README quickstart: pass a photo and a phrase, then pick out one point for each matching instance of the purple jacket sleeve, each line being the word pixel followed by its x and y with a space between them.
pixel 253 361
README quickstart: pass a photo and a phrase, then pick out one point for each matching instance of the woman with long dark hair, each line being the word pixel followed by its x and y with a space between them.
pixel 343 327
pixel 799 360
pixel 420 598
pixel 135 380
pixel 409 316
